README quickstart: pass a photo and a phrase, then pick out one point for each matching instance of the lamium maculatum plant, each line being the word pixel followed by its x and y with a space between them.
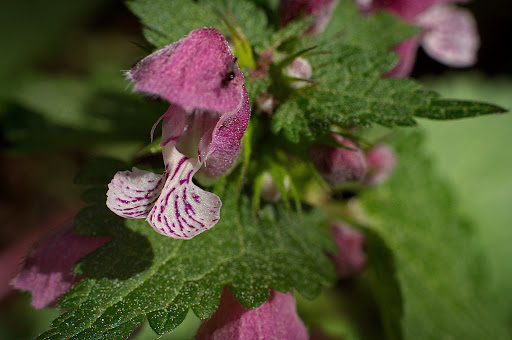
pixel 292 166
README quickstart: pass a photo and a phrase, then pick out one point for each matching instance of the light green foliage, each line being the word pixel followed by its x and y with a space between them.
pixel 153 276
pixel 425 268
pixel 168 21
pixel 475 156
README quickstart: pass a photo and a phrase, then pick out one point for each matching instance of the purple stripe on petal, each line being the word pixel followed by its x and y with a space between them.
pixel 183 210
pixel 124 194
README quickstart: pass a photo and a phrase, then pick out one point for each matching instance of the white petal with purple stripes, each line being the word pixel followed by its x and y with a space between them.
pixel 132 194
pixel 183 210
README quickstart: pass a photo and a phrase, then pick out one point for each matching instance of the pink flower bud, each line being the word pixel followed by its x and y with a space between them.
pixel 300 69
pixel 350 259
pixel 275 319
pixel 48 269
pixel 266 103
pixel 337 164
pixel 320 9
pixel 381 161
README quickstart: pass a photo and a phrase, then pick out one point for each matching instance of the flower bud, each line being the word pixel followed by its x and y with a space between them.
pixel 275 319
pixel 337 164
pixel 350 259
pixel 300 69
pixel 381 161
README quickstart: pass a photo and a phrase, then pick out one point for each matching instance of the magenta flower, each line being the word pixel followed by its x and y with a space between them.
pixel 321 10
pixel 275 319
pixel 337 164
pixel 350 259
pixel 198 71
pixel 48 268
pixel 201 132
pixel 448 35
pixel 381 161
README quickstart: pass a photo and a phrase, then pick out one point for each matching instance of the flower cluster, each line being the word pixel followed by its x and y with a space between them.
pixel 448 33
pixel 201 132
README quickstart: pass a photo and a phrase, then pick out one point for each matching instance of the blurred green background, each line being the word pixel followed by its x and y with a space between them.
pixel 58 57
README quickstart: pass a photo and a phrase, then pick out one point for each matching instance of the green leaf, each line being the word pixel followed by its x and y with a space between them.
pixel 149 275
pixel 290 119
pixel 64 112
pixel 455 109
pixel 168 21
pixel 378 31
pixel 429 280
pixel 348 89
pixel 480 172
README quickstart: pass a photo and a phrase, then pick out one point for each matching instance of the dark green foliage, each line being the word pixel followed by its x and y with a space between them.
pixel 444 109
pixel 168 21
pixel 348 89
pixel 151 275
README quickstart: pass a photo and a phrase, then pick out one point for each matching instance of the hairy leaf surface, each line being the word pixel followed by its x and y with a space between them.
pixel 153 276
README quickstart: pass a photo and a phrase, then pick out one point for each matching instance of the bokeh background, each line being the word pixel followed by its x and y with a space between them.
pixel 57 54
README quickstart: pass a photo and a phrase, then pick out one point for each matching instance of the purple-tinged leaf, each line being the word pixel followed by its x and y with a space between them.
pixel 275 319
pixel 48 269
pixel 197 72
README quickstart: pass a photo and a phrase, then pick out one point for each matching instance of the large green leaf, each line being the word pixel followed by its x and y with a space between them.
pixel 168 21
pixel 153 276
pixel 475 156
pixel 433 283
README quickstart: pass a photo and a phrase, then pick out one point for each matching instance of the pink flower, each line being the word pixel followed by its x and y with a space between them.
pixel 321 10
pixel 198 71
pixel 350 259
pixel 381 161
pixel 201 132
pixel 448 35
pixel 338 164
pixel 274 319
pixel 48 268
